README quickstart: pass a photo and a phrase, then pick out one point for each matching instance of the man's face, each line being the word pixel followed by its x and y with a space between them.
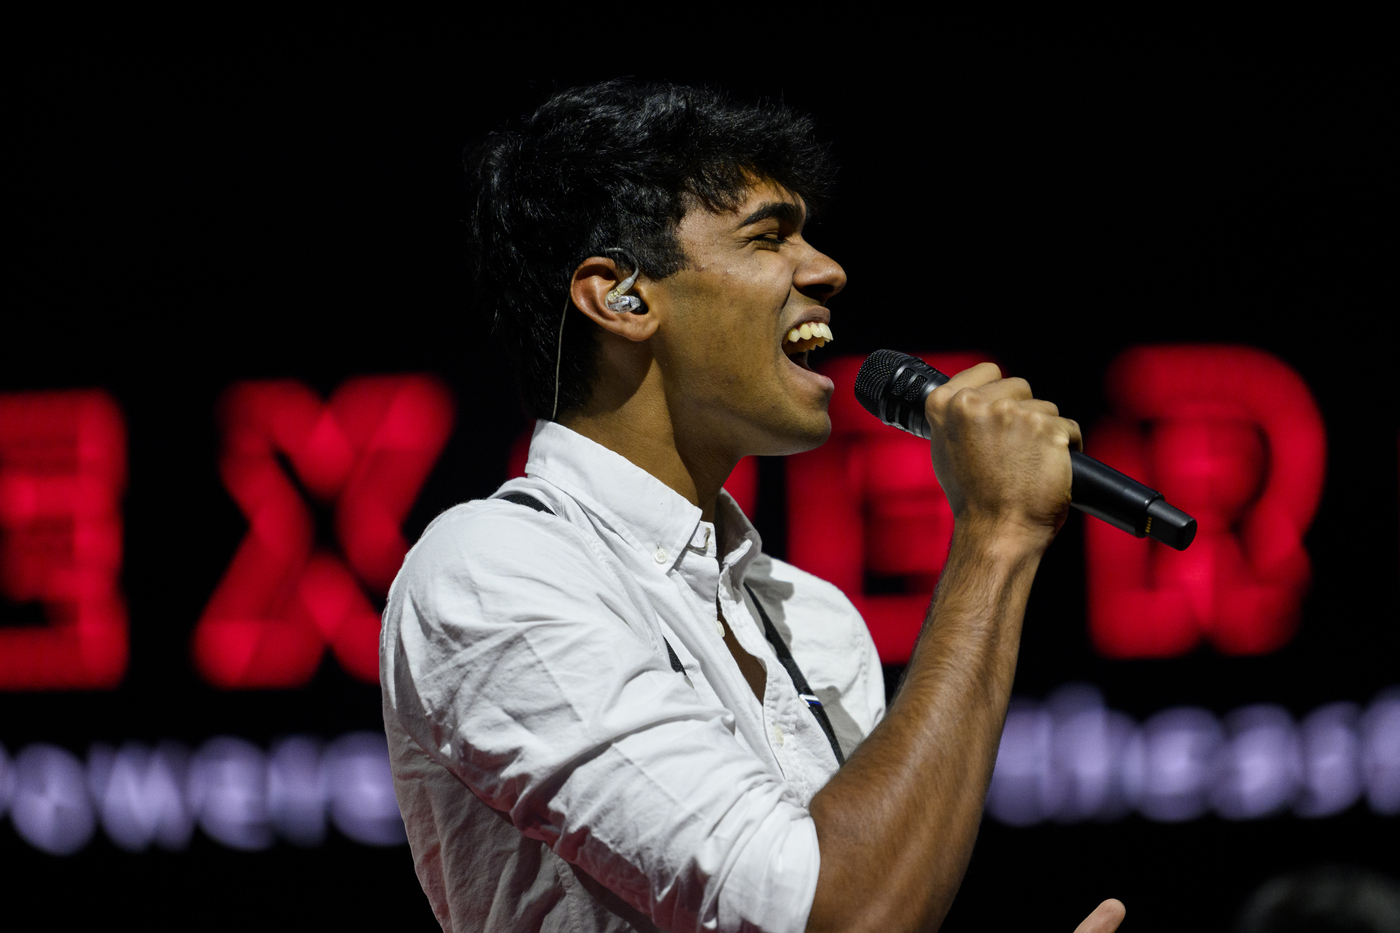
pixel 733 382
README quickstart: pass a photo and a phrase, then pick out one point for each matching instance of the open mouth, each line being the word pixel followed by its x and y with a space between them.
pixel 808 337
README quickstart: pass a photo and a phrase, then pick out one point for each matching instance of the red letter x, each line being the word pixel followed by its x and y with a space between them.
pixel 282 600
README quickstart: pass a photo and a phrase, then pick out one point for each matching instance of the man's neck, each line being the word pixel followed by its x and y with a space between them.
pixel 645 434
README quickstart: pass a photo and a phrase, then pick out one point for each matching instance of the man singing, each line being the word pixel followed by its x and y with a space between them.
pixel 607 708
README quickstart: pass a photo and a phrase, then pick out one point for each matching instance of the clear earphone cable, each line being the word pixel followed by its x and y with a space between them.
pixel 559 355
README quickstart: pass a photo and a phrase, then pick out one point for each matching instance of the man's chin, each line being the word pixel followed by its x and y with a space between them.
pixel 798 438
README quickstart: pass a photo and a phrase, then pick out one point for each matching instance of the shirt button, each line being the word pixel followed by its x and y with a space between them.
pixel 778 735
pixel 719 627
pixel 661 555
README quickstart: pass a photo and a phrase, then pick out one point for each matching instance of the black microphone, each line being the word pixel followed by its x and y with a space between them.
pixel 893 386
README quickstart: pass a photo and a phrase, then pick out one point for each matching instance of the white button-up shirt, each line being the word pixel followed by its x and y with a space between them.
pixel 554 771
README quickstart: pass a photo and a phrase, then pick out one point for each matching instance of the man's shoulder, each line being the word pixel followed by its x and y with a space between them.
pixel 496 537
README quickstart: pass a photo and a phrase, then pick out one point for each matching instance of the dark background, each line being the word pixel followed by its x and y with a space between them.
pixel 217 206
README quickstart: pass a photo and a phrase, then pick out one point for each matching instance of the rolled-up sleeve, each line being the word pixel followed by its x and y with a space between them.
pixel 520 664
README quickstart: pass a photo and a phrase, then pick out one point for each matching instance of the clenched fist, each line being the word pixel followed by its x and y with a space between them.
pixel 1001 455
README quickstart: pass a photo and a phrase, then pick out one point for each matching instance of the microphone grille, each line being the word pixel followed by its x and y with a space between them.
pixel 874 375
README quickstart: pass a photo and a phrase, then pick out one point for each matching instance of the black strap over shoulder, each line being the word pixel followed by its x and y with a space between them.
pixel 804 690
pixel 780 647
pixel 520 498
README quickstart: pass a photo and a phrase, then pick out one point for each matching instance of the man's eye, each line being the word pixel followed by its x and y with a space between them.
pixel 771 239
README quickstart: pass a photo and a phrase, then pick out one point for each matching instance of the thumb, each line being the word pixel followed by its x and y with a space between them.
pixel 1105 918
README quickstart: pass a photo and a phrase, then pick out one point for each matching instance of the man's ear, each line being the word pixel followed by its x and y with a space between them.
pixel 593 279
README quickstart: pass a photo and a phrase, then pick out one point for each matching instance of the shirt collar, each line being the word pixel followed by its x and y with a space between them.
pixel 741 542
pixel 649 515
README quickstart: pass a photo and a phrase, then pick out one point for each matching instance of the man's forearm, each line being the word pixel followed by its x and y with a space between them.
pixel 896 825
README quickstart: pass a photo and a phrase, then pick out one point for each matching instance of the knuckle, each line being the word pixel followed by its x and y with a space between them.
pixel 963 402
pixel 941 397
pixel 1004 408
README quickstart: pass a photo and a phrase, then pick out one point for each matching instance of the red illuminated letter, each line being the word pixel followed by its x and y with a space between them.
pixel 282 600
pixel 62 471
pixel 1232 436
pixel 865 511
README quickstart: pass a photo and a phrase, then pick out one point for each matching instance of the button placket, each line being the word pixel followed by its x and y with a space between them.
pixel 738 605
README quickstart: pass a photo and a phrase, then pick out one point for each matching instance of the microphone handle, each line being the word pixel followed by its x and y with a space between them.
pixel 1099 490
pixel 1096 489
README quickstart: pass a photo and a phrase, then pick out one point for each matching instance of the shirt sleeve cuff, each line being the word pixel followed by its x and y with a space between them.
pixel 774 881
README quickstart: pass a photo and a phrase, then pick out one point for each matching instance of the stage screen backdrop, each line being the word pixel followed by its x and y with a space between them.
pixel 243 371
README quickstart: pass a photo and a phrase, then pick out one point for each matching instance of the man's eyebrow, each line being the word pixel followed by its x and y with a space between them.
pixel 783 210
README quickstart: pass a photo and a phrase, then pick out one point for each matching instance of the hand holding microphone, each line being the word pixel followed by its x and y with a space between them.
pixel 895 388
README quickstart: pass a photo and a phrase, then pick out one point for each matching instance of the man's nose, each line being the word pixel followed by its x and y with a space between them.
pixel 820 276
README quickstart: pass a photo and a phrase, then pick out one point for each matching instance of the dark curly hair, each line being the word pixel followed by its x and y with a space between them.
pixel 615 164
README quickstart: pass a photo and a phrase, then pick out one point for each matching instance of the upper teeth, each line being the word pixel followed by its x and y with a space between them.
pixel 810 331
